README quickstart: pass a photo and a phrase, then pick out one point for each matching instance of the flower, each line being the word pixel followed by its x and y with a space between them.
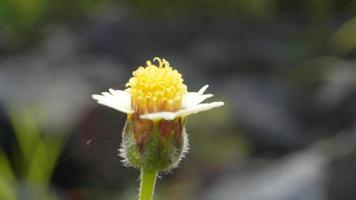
pixel 157 92
pixel 157 103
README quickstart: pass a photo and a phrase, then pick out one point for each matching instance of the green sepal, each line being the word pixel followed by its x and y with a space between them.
pixel 155 154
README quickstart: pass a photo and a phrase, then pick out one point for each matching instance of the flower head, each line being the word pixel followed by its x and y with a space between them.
pixel 157 102
pixel 156 88
pixel 157 92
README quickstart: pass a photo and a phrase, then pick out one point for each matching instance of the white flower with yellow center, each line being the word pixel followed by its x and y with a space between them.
pixel 157 92
pixel 156 102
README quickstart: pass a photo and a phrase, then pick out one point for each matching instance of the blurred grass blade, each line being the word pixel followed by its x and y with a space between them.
pixel 7 179
pixel 44 159
pixel 26 131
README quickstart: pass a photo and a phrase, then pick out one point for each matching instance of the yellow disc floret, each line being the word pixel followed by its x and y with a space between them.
pixel 156 88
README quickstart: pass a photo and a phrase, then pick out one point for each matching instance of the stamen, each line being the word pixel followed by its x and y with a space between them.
pixel 156 88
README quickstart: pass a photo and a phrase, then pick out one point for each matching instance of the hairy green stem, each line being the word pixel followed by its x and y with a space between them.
pixel 147 186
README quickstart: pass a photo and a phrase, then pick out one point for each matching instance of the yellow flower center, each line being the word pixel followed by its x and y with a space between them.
pixel 156 88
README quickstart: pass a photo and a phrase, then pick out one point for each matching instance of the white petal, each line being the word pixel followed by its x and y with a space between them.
pixel 159 115
pixel 117 99
pixel 194 98
pixel 124 96
pixel 199 108
pixel 202 90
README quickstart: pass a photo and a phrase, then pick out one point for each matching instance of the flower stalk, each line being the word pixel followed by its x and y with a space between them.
pixel 148 182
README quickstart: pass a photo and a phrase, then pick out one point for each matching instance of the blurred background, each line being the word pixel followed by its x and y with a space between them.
pixel 285 69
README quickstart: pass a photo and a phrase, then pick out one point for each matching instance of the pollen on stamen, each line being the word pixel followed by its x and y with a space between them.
pixel 156 88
